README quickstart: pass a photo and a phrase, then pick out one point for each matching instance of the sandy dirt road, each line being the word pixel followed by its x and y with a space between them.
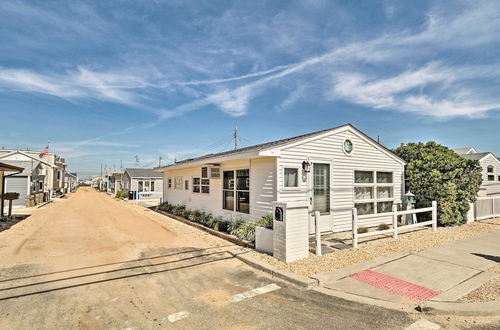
pixel 93 262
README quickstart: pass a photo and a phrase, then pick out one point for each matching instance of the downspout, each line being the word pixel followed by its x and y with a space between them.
pixel 3 188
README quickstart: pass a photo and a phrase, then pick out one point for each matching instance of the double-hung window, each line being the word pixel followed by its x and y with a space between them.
pixel 236 191
pixel 169 183
pixel 373 192
pixel 201 185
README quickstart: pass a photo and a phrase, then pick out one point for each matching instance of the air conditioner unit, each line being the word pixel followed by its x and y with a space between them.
pixel 215 172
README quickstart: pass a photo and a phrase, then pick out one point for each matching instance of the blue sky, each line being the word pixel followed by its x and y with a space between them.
pixel 107 81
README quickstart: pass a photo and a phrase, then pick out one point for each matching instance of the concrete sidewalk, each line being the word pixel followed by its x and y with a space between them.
pixel 448 272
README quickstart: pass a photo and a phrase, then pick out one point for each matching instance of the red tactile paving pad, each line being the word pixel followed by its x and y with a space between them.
pixel 395 286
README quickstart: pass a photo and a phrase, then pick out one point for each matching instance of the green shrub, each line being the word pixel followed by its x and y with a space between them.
pixel 233 226
pixel 362 230
pixel 186 214
pixel 195 216
pixel 246 231
pixel 221 225
pixel 178 210
pixel 121 194
pixel 435 172
pixel 266 221
pixel 383 226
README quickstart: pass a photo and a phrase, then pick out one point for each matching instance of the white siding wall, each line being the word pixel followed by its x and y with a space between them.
pixel 262 188
pixel 492 187
pixel 365 156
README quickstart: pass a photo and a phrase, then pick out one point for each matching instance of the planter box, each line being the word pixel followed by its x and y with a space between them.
pixel 264 239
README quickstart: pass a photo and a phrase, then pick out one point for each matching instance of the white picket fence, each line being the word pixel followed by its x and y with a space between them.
pixel 144 196
pixel 395 229
pixel 486 207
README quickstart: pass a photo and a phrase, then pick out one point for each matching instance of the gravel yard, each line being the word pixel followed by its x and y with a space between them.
pixel 489 291
pixel 414 241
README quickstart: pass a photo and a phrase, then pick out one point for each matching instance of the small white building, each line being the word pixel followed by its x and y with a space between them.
pixel 490 169
pixel 142 180
pixel 347 169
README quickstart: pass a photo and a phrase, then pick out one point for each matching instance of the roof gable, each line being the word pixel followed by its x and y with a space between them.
pixel 18 155
pixel 351 129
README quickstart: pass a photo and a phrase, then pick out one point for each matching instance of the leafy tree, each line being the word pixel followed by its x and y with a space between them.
pixel 435 172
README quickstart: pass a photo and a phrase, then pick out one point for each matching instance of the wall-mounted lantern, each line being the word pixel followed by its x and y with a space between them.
pixel 306 166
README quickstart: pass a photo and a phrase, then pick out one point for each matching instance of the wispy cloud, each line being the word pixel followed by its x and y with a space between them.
pixel 396 70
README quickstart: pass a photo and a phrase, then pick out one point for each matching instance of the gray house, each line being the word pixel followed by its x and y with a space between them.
pixel 142 180
pixel 490 165
pixel 29 183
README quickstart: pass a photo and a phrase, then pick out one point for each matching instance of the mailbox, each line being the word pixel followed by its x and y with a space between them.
pixel 278 213
pixel 10 196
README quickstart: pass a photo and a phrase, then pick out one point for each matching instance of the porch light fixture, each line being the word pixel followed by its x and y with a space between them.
pixel 306 166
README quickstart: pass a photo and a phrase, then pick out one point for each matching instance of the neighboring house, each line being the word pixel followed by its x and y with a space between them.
pixel 29 184
pixel 114 182
pixel 490 165
pixel 347 169
pixel 142 180
pixel 11 170
pixel 53 165
pixel 70 182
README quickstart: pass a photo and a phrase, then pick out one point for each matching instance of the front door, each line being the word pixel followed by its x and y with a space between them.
pixel 321 196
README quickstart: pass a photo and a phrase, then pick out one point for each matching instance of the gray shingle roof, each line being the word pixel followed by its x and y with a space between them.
pixel 143 173
pixel 476 156
pixel 272 144
pixel 462 151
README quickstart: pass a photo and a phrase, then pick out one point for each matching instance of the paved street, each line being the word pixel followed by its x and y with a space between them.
pixel 92 262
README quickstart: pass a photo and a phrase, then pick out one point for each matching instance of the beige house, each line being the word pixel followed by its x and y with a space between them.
pixel 333 170
pixel 53 167
pixel 490 166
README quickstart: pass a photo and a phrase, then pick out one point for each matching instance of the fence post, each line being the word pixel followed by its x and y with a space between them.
pixel 395 221
pixel 318 233
pixel 493 207
pixel 354 227
pixel 434 215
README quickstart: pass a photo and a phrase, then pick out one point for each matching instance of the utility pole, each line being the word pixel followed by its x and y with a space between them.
pixel 159 161
pixel 235 136
pixel 121 166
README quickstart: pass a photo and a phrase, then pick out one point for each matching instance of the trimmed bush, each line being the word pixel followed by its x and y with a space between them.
pixel 435 172
pixel 121 194
pixel 383 226
pixel 362 230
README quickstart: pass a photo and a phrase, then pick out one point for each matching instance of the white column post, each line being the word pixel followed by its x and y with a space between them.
pixel 354 227
pixel 318 233
pixel 493 207
pixel 434 215
pixel 395 221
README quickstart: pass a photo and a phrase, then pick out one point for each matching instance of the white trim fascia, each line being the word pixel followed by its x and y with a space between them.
pixel 29 156
pixel 220 159
pixel 334 131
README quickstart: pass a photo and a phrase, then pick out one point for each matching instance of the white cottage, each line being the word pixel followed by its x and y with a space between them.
pixel 490 166
pixel 334 170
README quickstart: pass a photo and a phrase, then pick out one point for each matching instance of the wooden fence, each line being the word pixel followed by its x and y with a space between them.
pixel 395 228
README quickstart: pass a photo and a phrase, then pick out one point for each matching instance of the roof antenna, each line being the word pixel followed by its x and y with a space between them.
pixel 235 136
pixel 378 139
